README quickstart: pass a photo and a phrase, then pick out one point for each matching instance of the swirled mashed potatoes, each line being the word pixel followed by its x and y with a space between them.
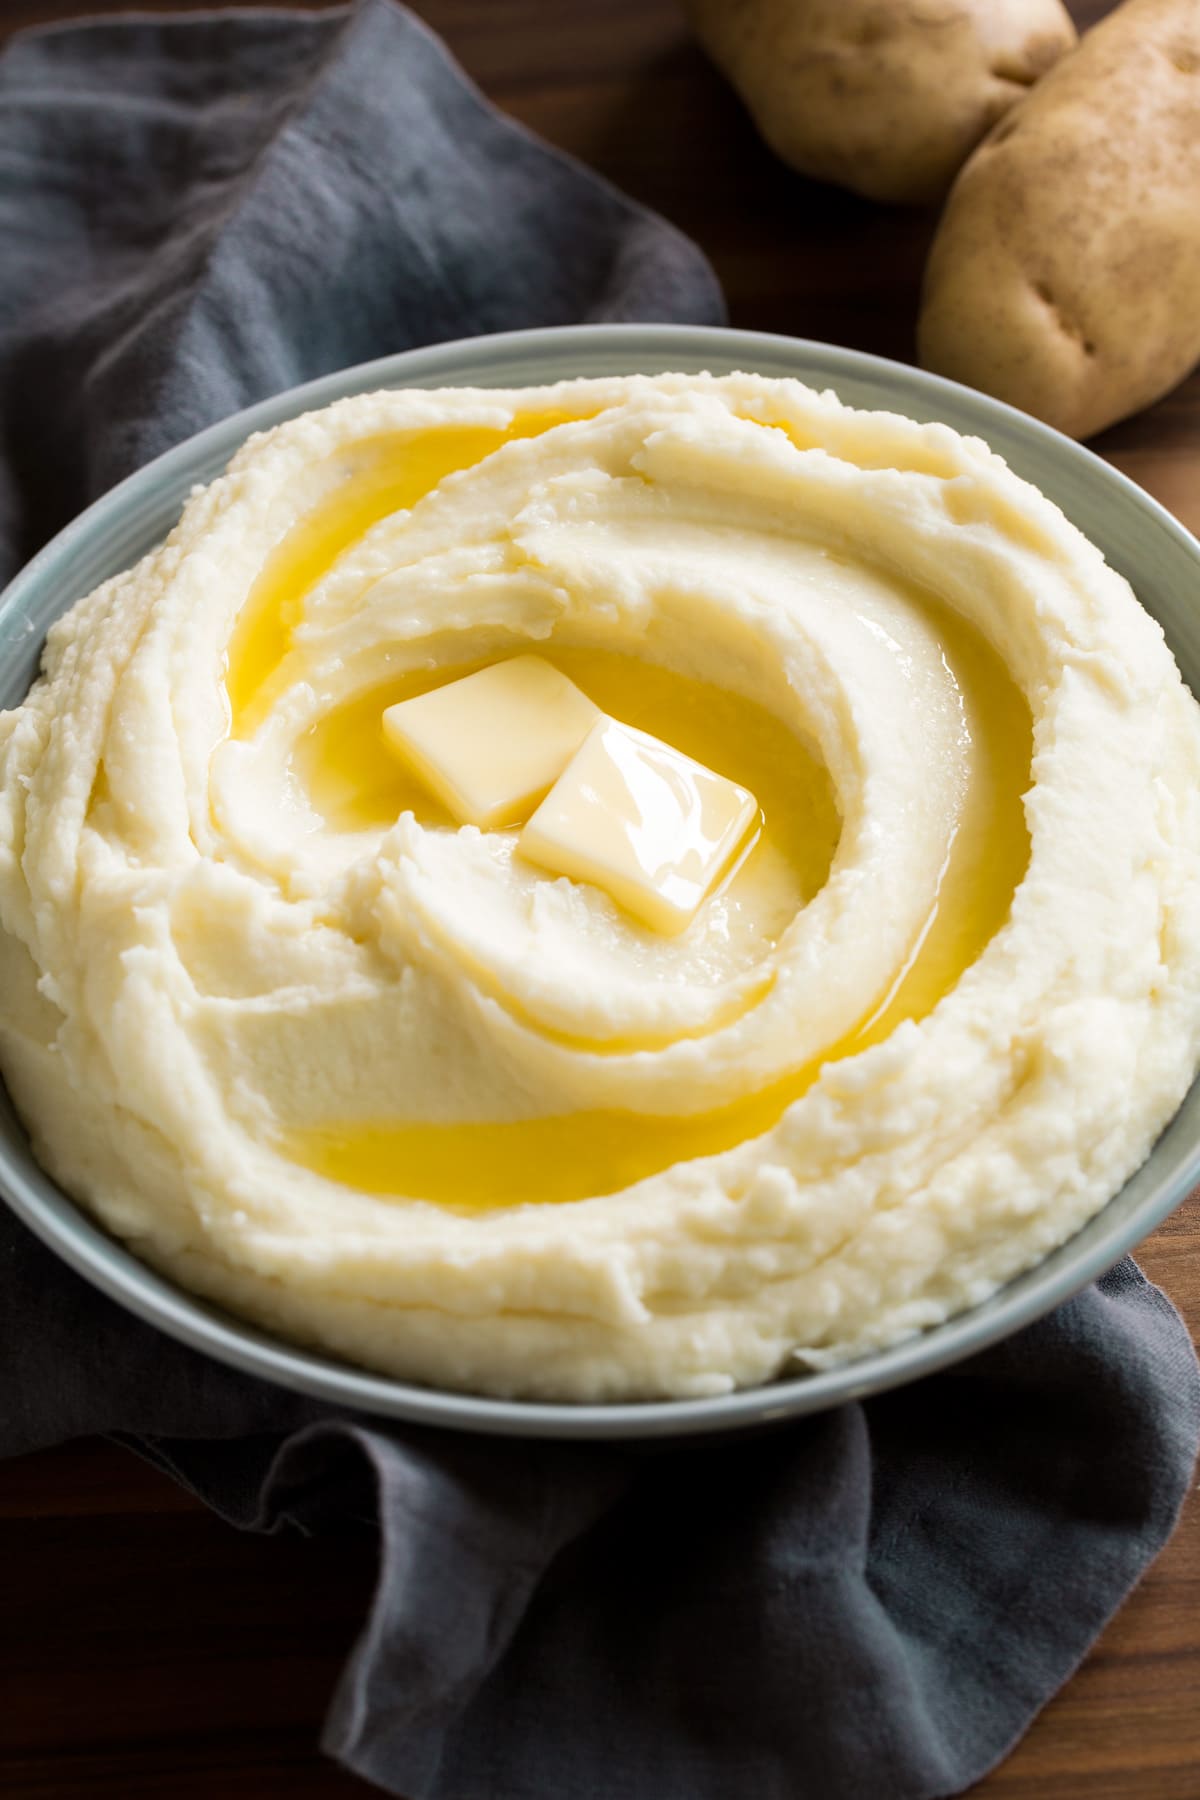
pixel 379 1083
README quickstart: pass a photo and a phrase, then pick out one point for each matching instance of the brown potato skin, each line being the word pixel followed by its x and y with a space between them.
pixel 1065 274
pixel 887 97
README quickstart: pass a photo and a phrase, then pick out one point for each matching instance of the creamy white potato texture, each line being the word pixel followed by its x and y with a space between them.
pixel 382 1085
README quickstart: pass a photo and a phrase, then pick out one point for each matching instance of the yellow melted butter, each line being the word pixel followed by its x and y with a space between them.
pixel 481 1166
pixel 356 784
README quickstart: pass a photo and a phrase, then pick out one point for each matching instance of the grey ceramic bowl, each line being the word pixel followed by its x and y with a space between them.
pixel 1138 537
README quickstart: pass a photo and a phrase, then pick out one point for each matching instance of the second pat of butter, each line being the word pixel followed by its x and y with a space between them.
pixel 490 744
pixel 642 821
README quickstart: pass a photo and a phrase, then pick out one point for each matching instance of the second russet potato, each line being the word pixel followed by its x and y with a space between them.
pixel 887 97
pixel 1065 275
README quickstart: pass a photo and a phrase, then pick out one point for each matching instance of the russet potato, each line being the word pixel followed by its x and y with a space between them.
pixel 888 97
pixel 1065 274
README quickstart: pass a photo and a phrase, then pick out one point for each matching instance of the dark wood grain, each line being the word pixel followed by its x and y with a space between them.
pixel 146 1649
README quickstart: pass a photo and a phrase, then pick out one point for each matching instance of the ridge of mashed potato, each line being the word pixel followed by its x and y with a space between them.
pixel 196 964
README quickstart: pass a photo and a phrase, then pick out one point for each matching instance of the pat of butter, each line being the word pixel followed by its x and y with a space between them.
pixel 490 744
pixel 642 821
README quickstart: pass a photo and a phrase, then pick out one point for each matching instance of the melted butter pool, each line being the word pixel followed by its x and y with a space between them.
pixel 484 1165
pixel 356 784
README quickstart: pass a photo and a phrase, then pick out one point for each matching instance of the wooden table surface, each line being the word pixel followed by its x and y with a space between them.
pixel 148 1650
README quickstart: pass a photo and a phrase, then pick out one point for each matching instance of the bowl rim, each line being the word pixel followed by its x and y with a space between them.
pixel 109 1266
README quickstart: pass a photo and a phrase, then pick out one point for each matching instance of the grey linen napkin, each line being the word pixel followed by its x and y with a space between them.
pixel 199 212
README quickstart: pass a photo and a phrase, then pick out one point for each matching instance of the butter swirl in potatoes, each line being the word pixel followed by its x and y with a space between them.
pixel 384 1085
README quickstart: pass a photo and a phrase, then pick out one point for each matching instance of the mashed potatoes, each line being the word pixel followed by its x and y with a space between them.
pixel 384 1086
